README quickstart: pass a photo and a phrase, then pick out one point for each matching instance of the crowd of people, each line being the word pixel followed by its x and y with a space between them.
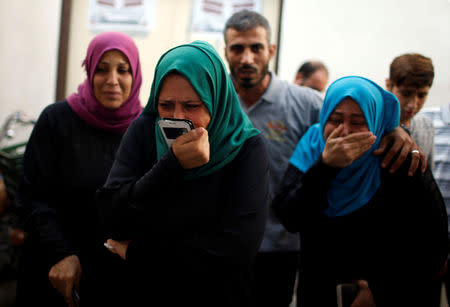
pixel 274 193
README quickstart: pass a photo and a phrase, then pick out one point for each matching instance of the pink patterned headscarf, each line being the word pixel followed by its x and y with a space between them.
pixel 84 102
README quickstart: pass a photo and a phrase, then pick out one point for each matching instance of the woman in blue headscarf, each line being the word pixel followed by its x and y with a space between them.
pixel 196 210
pixel 359 224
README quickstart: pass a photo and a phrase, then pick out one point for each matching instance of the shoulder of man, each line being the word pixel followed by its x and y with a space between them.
pixel 304 96
pixel 422 120
pixel 432 113
pixel 429 111
pixel 299 94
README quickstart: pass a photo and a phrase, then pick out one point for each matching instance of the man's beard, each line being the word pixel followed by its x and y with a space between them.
pixel 248 82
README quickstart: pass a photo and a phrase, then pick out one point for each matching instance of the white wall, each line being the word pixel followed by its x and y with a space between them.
pixel 350 36
pixel 173 20
pixel 29 38
pixel 362 37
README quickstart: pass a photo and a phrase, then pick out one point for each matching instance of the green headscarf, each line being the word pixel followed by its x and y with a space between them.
pixel 229 127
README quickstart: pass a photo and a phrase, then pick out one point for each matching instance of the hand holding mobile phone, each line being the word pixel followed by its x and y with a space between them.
pixel 108 246
pixel 172 128
pixel 193 149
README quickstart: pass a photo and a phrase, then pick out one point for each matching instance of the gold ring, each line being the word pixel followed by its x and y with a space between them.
pixel 415 151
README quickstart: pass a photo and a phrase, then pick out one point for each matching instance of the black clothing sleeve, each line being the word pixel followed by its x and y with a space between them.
pixel 36 197
pixel 65 162
pixel 422 210
pixel 303 195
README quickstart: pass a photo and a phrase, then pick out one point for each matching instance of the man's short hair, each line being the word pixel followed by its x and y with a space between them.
pixel 310 67
pixel 246 20
pixel 411 69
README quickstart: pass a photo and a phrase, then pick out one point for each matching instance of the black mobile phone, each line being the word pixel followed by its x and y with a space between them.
pixel 172 128
pixel 346 294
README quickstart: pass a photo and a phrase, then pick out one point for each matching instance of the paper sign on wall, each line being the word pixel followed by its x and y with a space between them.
pixel 209 16
pixel 121 15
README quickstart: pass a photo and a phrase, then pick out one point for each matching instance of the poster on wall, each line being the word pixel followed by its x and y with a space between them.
pixel 209 16
pixel 132 16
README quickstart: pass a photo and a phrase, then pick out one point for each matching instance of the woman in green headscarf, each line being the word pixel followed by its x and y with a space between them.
pixel 189 219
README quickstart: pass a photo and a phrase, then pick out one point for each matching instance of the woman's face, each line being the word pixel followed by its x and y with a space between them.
pixel 178 99
pixel 349 114
pixel 112 79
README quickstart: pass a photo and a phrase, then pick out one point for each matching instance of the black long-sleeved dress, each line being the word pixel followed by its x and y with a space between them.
pixel 194 240
pixel 397 241
pixel 65 162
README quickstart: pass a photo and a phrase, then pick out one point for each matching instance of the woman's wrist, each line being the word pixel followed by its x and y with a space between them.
pixel 406 129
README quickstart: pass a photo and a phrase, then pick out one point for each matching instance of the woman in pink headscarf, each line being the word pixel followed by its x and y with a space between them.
pixel 68 157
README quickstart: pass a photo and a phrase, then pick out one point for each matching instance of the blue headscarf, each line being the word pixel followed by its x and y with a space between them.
pixel 357 183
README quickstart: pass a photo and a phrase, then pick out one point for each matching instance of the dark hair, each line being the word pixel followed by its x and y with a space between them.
pixel 411 69
pixel 310 67
pixel 245 20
